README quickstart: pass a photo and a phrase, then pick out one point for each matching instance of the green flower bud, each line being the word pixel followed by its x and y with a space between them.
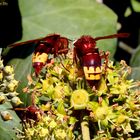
pixel 60 134
pixel 58 93
pixel 8 70
pixel 72 120
pixel 46 120
pixel 45 107
pixel 61 108
pixel 43 132
pixel 101 113
pixel 1 75
pixel 3 85
pixel 30 131
pixel 1 64
pixel 50 90
pixel 12 94
pixel 121 119
pixel 72 75
pixel 12 85
pixel 2 99
pixel 10 77
pixel 52 124
pixel 6 115
pixel 79 99
pixel 67 90
pixel 16 101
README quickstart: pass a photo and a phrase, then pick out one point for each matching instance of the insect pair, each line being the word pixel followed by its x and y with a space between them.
pixel 85 51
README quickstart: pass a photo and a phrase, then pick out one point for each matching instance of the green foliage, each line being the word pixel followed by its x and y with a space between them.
pixel 111 109
pixel 136 5
pixel 68 18
pixel 135 60
pixel 135 63
pixel 135 73
pixel 7 128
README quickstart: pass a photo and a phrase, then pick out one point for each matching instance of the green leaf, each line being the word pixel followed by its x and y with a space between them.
pixel 135 64
pixel 67 18
pixel 7 131
pixel 136 5
pixel 135 74
pixel 61 108
pixel 135 59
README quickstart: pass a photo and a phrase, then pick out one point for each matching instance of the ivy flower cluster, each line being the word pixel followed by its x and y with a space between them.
pixel 111 109
pixel 8 86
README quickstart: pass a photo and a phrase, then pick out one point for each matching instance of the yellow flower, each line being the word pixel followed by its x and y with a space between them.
pixel 1 64
pixel 8 70
pixel 1 75
pixel 43 132
pixel 16 101
pixel 52 124
pixel 30 132
pixel 2 99
pixel 6 115
pixel 60 134
pixel 12 85
pixel 79 99
pixel 45 84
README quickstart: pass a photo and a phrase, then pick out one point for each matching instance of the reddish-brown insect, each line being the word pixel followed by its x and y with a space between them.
pixel 30 112
pixel 51 44
pixel 90 59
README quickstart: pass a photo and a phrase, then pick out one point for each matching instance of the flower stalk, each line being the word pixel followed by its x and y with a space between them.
pixel 85 127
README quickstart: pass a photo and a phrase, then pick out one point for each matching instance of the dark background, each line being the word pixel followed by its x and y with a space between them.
pixel 129 24
pixel 10 22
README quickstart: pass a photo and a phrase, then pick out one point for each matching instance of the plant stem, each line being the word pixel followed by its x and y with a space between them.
pixel 84 127
pixel 0 51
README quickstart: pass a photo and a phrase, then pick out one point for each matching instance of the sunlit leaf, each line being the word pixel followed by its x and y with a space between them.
pixel 8 128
